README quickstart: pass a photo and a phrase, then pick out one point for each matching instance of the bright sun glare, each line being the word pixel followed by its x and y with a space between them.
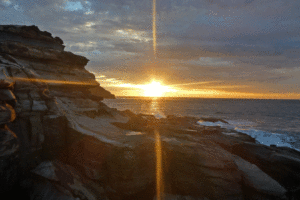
pixel 155 89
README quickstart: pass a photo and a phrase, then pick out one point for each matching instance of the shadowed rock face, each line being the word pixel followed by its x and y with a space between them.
pixel 30 35
pixel 35 73
pixel 59 141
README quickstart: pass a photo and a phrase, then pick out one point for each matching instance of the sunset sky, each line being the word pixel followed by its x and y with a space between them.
pixel 205 48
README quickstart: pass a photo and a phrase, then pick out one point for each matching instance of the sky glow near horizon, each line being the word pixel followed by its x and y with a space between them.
pixel 226 49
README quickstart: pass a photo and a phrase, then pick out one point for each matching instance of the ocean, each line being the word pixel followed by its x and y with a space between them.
pixel 268 121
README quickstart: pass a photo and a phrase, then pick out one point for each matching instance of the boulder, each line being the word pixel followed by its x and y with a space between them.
pixel 257 184
pixel 282 167
pixel 191 166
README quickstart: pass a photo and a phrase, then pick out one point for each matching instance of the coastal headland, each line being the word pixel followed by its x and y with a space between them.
pixel 58 140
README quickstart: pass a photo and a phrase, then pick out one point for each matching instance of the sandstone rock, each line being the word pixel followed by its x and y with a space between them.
pixel 29 158
pixel 4 75
pixel 21 49
pixel 37 136
pixel 179 197
pixel 30 35
pixel 39 106
pixel 35 95
pixel 7 95
pixel 70 182
pixel 45 190
pixel 131 170
pixel 47 170
pixel 7 114
pixel 25 105
pixel 22 95
pixel 9 160
pixel 55 133
pixel 79 81
pixel 90 156
pixel 257 183
pixel 202 165
pixel 51 79
pixel 282 168
pixel 99 91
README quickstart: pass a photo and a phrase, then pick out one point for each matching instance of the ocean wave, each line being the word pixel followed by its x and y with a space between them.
pixel 262 137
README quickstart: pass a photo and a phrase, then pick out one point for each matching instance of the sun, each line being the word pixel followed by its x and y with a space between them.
pixel 155 89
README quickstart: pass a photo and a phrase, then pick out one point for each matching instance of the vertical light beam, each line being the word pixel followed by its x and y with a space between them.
pixel 154 26
pixel 158 149
pixel 159 177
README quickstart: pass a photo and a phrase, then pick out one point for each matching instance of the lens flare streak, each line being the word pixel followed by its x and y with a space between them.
pixel 159 176
pixel 154 26
pixel 52 81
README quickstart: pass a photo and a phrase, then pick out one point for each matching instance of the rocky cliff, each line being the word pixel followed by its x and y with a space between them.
pixel 59 141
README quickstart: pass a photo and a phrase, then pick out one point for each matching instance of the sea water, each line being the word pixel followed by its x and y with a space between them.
pixel 268 121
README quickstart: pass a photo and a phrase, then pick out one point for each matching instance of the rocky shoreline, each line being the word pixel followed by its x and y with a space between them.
pixel 59 141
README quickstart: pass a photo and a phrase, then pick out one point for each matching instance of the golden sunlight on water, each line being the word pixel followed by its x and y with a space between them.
pixel 154 106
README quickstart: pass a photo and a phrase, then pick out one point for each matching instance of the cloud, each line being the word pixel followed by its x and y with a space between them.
pixel 225 40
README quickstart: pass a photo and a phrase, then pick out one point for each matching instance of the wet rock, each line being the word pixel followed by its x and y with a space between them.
pixel 212 119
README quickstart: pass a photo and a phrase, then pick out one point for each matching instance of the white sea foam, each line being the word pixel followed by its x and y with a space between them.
pixel 262 137
pixel 218 123
pixel 159 115
pixel 134 133
pixel 267 138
